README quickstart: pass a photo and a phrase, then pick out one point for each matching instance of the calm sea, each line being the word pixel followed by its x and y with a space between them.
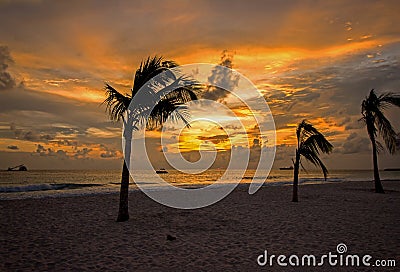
pixel 53 183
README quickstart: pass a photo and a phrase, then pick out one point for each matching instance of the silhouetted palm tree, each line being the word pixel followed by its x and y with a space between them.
pixel 309 144
pixel 372 110
pixel 184 90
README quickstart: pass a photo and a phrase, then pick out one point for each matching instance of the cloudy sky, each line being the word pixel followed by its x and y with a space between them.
pixel 309 59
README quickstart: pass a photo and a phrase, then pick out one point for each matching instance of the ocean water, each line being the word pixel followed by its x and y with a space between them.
pixel 58 183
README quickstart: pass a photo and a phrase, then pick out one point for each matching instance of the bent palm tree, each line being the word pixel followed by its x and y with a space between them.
pixel 309 144
pixel 372 110
pixel 159 99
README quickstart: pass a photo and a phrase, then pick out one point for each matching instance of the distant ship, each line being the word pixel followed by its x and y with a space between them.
pixel 20 167
pixel 162 171
pixel 286 168
pixel 391 169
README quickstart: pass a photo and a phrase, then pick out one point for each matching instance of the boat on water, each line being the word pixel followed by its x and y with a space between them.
pixel 391 169
pixel 286 168
pixel 20 167
pixel 162 171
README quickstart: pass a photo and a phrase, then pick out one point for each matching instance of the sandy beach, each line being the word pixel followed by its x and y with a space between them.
pixel 80 233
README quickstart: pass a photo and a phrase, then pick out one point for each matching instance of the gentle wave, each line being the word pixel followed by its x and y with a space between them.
pixel 45 187
pixel 309 180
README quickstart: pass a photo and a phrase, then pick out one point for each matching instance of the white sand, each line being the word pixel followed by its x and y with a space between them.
pixel 80 233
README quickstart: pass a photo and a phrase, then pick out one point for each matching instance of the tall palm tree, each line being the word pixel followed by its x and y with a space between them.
pixel 372 111
pixel 310 142
pixel 158 95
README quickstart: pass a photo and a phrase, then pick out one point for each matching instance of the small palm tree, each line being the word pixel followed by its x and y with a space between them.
pixel 372 111
pixel 309 144
pixel 158 96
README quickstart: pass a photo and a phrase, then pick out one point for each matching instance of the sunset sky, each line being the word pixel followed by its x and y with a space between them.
pixel 310 59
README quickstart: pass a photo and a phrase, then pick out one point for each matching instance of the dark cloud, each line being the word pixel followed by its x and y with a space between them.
pixel 352 88
pixel 6 80
pixel 30 135
pixel 13 147
pixel 109 154
pixel 17 132
pixel 62 153
pixel 41 150
pixel 82 153
pixel 221 77
pixel 333 89
pixel 214 139
pixel 355 144
pixel 49 109
pixel 357 124
pixel 35 161
pixel 306 95
pixel 42 117
pixel 257 145
pixel 66 142
pixel 46 137
pixel 49 152
pixel 256 142
pixel 284 153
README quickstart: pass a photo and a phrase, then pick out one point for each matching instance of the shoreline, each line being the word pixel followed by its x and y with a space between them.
pixel 79 191
pixel 80 233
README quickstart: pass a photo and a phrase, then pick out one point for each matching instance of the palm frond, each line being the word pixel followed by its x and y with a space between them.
pixel 304 130
pixel 167 108
pixel 370 103
pixel 171 98
pixel 312 157
pixel 368 108
pixel 310 143
pixel 372 110
pixel 302 167
pixel 149 69
pixel 386 131
pixel 318 142
pixel 116 103
pixel 182 113
pixel 309 129
pixel 181 95
pixel 189 87
pixel 379 147
pixel 156 102
pixel 169 64
pixel 390 99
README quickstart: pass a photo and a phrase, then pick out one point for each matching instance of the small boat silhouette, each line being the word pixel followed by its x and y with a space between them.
pixel 20 167
pixel 162 171
pixel 286 168
pixel 391 169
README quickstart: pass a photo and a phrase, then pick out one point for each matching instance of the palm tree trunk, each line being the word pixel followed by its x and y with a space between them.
pixel 296 178
pixel 378 184
pixel 123 212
